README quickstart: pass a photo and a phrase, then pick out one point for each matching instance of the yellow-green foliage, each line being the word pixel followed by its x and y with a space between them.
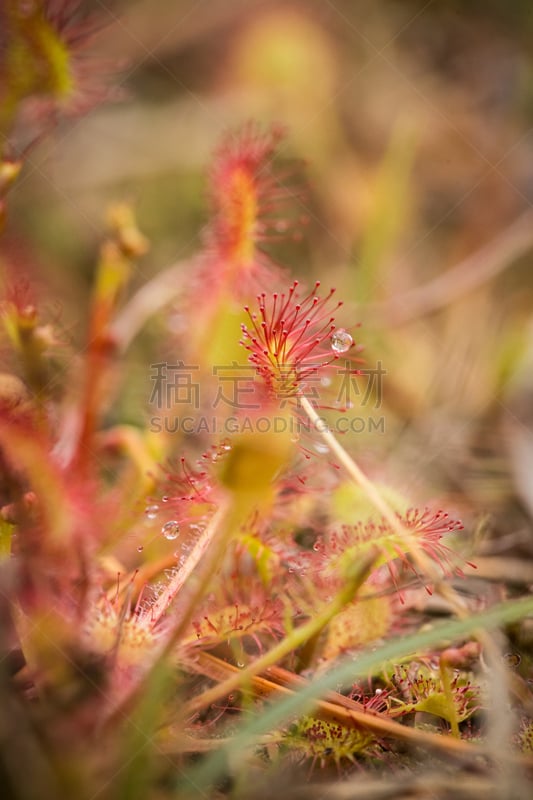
pixel 325 741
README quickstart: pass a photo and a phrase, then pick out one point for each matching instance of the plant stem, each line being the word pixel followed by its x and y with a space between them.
pixel 423 561
pixel 352 468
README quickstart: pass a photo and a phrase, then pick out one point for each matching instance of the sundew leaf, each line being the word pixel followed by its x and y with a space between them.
pixel 426 693
pixel 328 740
pixel 423 528
pixel 366 620
pixel 234 622
pixel 196 780
pixel 435 704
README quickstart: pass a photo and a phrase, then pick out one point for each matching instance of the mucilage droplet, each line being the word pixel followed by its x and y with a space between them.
pixel 171 530
pixel 341 341
pixel 151 511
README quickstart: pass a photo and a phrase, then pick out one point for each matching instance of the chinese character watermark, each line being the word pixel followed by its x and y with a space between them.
pixel 364 385
pixel 175 384
pixel 235 385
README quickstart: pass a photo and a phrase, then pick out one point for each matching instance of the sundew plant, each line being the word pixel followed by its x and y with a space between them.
pixel 229 596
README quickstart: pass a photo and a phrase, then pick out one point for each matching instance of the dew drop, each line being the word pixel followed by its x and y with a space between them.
pixel 341 341
pixel 196 528
pixel 321 448
pixel 140 548
pixel 171 530
pixel 240 664
pixel 151 511
pixel 165 498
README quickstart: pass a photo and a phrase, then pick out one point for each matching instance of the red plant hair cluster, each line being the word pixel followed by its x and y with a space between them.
pixel 290 339
pixel 47 72
pixel 249 198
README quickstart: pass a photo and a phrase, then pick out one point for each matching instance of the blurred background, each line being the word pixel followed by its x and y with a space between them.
pixel 413 124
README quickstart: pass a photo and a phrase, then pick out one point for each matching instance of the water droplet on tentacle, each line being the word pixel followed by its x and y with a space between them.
pixel 341 341
pixel 171 530
pixel 152 511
